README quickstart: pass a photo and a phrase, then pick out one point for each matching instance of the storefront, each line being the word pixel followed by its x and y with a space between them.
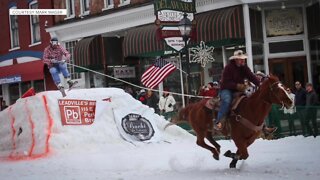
pixel 19 71
pixel 277 38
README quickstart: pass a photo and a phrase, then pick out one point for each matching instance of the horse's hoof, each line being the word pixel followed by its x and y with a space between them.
pixel 227 153
pixel 232 165
pixel 216 157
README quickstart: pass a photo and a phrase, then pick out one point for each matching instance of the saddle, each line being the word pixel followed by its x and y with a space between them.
pixel 213 104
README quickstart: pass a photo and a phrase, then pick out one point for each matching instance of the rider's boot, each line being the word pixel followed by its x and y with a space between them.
pixel 269 130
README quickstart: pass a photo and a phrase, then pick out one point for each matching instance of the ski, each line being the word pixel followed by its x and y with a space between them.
pixel 73 85
pixel 63 92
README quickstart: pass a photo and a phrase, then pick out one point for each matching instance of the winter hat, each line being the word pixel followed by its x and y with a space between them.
pixel 142 91
pixel 211 84
pixel 215 83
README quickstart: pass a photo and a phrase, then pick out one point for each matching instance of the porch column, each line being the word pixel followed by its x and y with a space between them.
pixel 247 32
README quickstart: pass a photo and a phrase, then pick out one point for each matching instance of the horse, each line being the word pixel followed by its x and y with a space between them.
pixel 245 120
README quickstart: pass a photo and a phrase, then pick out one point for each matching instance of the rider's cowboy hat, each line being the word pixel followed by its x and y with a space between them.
pixel 238 54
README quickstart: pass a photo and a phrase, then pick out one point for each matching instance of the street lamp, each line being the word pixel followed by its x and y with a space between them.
pixel 185 26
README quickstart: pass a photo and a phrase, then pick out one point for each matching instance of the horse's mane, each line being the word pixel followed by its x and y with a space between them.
pixel 265 84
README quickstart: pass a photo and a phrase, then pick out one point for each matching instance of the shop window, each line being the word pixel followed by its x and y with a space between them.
pixel 85 7
pixel 315 63
pixel 38 85
pixel 14 93
pixel 124 2
pixel 34 24
pixel 257 56
pixel 108 4
pixel 286 46
pixel 14 30
pixel 25 86
pixel 70 47
pixel 70 8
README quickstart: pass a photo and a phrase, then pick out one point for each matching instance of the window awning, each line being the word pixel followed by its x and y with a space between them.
pixel 28 71
pixel 143 41
pixel 220 27
pixel 217 28
pixel 88 53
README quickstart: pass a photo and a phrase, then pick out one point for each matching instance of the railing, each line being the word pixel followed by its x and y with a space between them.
pixel 302 121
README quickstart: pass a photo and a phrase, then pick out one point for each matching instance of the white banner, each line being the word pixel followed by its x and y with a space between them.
pixel 134 123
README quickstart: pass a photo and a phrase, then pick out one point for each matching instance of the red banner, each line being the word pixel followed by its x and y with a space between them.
pixel 77 112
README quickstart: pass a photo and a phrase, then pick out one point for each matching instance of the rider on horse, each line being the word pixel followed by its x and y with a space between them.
pixel 233 78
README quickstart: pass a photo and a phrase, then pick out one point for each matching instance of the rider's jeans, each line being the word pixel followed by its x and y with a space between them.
pixel 55 71
pixel 226 99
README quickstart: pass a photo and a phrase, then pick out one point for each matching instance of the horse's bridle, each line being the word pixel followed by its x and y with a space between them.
pixel 271 93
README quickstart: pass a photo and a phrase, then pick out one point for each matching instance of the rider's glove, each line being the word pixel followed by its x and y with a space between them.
pixel 54 61
pixel 241 87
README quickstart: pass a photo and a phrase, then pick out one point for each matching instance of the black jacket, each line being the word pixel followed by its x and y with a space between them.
pixel 300 98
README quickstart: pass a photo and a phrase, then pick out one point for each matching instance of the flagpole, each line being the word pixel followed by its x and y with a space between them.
pixel 181 80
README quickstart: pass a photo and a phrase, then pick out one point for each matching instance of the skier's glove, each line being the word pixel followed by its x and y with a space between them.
pixel 54 61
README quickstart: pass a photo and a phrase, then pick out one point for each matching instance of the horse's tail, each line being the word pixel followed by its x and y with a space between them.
pixel 180 117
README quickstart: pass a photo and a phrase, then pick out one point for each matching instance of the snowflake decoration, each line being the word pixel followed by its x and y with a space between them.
pixel 202 54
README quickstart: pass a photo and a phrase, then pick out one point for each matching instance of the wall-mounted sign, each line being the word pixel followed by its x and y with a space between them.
pixel 172 16
pixel 284 22
pixel 124 72
pixel 77 112
pixel 179 5
pixel 10 79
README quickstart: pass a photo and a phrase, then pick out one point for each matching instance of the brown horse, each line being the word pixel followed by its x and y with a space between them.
pixel 246 120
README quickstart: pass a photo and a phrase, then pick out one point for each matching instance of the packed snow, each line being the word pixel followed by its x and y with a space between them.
pixel 35 144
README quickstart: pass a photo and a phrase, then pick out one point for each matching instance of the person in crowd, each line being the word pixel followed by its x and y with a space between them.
pixel 300 102
pixel 311 110
pixel 142 96
pixel 232 80
pixel 261 76
pixel 166 104
pixel 55 57
pixel 210 90
pixel 128 89
pixel 290 113
pixel 3 105
pixel 250 88
pixel 152 100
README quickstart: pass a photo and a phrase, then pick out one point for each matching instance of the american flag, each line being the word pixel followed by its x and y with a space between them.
pixel 155 74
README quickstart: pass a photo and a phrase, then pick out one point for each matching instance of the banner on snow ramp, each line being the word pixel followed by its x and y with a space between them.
pixel 77 112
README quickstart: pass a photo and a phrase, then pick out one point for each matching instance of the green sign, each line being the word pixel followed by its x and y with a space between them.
pixel 178 5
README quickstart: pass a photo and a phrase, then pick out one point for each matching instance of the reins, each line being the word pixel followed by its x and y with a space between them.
pixel 244 120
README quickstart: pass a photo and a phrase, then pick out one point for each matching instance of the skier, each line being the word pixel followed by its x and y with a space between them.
pixel 55 57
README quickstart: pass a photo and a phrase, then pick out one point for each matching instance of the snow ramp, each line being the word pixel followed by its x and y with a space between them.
pixel 84 119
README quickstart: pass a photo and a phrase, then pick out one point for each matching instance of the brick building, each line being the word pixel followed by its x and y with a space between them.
pixel 23 39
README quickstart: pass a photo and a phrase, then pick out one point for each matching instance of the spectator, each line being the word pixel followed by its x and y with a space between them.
pixel 142 96
pixel 152 100
pixel 300 102
pixel 290 114
pixel 129 90
pixel 311 110
pixel 166 104
pixel 210 90
pixel 250 88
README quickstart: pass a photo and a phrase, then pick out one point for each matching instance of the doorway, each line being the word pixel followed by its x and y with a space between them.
pixel 290 70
